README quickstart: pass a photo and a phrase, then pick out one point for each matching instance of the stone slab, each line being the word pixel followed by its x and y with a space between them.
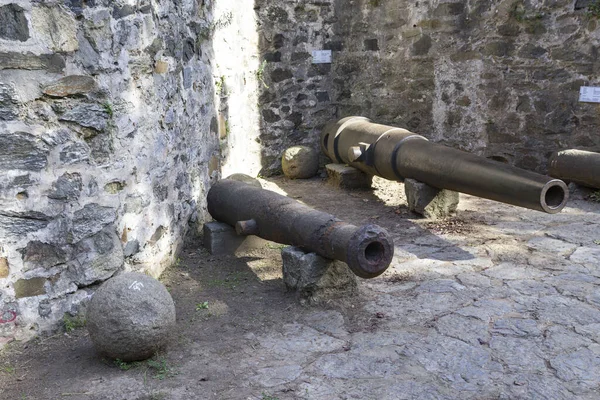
pixel 221 239
pixel 346 177
pixel 316 278
pixel 428 201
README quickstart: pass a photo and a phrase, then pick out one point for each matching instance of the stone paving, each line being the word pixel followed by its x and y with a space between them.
pixel 509 309
pixel 497 303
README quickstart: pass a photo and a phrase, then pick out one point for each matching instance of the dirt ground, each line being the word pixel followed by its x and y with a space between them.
pixel 241 335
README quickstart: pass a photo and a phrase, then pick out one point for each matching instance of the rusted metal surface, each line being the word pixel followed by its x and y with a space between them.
pixel 367 250
pixel 398 154
pixel 579 166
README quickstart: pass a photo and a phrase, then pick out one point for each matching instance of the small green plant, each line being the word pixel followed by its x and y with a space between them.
pixel 220 86
pixel 126 366
pixel 595 196
pixel 202 306
pixel 72 323
pixel 266 396
pixel 9 369
pixel 374 3
pixel 162 369
pixel 593 9
pixel 597 242
pixel 260 72
pixel 230 282
pixel 108 109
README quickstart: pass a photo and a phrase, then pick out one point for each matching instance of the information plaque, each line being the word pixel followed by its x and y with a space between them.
pixel 589 94
pixel 321 57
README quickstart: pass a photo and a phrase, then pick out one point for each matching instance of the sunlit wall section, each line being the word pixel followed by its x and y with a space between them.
pixel 237 72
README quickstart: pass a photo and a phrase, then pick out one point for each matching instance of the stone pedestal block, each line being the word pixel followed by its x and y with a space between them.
pixel 428 201
pixel 316 278
pixel 221 239
pixel 346 177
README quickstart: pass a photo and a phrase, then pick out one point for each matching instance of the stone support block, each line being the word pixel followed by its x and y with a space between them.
pixel 428 201
pixel 221 239
pixel 316 278
pixel 346 177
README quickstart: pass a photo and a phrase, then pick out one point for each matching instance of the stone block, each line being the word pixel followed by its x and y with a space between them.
pixel 29 287
pixel 220 239
pixel 429 201
pixel 345 177
pixel 316 278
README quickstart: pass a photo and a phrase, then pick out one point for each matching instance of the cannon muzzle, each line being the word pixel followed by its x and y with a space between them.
pixel 398 154
pixel 581 167
pixel 367 250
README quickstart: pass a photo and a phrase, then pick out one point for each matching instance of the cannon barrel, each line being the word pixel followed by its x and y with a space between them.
pixel 398 154
pixel 367 250
pixel 579 166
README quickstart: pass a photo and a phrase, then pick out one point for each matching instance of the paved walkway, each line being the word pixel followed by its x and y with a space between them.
pixel 500 304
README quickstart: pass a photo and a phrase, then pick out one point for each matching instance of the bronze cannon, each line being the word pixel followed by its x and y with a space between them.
pixel 367 250
pixel 398 154
pixel 581 167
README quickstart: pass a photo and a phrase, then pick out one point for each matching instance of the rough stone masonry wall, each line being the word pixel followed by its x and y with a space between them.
pixel 499 78
pixel 295 100
pixel 108 142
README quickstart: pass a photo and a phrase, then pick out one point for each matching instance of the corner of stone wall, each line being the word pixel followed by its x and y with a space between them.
pixel 106 144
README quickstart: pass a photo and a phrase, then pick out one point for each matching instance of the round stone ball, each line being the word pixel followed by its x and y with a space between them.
pixel 130 317
pixel 246 179
pixel 300 162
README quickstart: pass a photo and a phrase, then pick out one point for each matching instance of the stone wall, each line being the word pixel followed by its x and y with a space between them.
pixel 115 116
pixel 109 138
pixel 295 99
pixel 498 78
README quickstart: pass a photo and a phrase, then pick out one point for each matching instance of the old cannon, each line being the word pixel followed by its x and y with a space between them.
pixel 367 250
pixel 398 154
pixel 581 167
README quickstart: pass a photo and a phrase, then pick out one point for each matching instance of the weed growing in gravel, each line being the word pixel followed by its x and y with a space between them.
pixel 162 369
pixel 158 365
pixel 268 397
pixel 202 306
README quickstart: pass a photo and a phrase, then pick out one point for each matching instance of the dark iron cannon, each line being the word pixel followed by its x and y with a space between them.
pixel 581 167
pixel 367 250
pixel 398 154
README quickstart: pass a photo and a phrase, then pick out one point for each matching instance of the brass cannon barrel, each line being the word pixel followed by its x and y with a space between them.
pixel 367 250
pixel 579 166
pixel 398 154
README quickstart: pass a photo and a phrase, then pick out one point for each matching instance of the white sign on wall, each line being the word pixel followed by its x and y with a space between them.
pixel 589 94
pixel 321 56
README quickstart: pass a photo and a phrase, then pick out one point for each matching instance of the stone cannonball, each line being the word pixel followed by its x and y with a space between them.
pixel 300 162
pixel 246 179
pixel 130 317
